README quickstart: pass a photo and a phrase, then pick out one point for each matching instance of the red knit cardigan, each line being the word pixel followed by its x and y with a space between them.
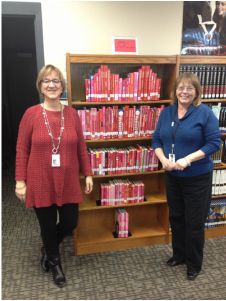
pixel 47 185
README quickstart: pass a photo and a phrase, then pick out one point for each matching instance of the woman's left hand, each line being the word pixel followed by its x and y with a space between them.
pixel 181 164
pixel 89 184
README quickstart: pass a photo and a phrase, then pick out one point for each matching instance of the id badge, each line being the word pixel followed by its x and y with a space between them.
pixel 172 158
pixel 55 160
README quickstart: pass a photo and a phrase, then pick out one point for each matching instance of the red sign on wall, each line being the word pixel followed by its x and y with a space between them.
pixel 125 45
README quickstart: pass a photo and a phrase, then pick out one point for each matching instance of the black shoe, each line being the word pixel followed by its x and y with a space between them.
pixel 57 272
pixel 44 261
pixel 192 275
pixel 172 262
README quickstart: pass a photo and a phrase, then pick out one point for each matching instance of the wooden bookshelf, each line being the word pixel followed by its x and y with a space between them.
pixel 148 221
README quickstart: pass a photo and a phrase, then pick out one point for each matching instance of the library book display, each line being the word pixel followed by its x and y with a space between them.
pixel 119 99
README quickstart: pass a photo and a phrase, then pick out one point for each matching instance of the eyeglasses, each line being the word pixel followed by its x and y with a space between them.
pixel 48 81
pixel 188 89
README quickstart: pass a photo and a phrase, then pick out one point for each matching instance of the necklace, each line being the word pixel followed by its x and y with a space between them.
pixel 55 147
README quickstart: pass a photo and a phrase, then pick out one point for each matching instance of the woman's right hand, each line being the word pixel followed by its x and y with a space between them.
pixel 20 191
pixel 167 164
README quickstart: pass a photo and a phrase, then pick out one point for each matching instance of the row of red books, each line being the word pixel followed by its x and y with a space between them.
pixel 141 85
pixel 119 192
pixel 110 161
pixel 114 122
pixel 212 79
pixel 121 223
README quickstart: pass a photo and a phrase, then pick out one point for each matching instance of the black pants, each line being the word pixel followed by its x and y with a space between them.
pixel 52 233
pixel 189 202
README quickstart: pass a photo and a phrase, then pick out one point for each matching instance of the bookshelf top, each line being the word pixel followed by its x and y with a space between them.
pixel 145 59
pixel 123 59
pixel 202 59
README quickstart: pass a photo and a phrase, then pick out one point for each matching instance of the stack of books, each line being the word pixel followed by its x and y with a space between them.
pixel 114 122
pixel 114 161
pixel 121 223
pixel 219 182
pixel 217 214
pixel 102 85
pixel 212 79
pixel 119 192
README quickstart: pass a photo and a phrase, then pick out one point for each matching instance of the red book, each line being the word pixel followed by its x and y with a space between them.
pixel 120 89
pixel 142 83
pixel 117 162
pixel 87 89
pixel 112 88
pixel 149 122
pixel 99 162
pixel 116 87
pixel 107 123
pixel 149 85
pixel 135 86
pixel 131 86
pixel 130 123
pixel 127 89
pixel 153 85
pixel 134 158
pixel 146 78
pixel 101 125
pixel 91 88
pixel 137 123
pixel 158 88
pixel 115 122
pixel 130 160
pixel 120 123
pixel 139 90
pixel 105 82
pixel 95 88
pixel 125 121
pixel 87 118
pixel 108 84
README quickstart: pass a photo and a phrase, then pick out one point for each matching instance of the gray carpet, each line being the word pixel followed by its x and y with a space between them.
pixel 138 274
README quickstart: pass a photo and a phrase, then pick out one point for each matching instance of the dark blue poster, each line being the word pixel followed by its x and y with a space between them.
pixel 204 28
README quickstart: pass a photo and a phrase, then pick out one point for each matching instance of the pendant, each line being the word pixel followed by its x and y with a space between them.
pixel 55 160
pixel 172 158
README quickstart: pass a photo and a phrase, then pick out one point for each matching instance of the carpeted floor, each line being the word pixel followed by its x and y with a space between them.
pixel 138 274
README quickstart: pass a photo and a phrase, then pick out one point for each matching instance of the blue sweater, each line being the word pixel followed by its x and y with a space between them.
pixel 197 130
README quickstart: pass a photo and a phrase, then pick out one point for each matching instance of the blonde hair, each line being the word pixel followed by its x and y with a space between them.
pixel 192 79
pixel 46 70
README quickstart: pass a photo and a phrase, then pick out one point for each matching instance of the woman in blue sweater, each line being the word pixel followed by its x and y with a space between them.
pixel 187 134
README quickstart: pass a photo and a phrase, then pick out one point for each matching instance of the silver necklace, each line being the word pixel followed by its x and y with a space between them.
pixel 55 147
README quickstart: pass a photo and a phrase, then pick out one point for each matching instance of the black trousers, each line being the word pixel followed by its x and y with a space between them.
pixel 189 202
pixel 53 233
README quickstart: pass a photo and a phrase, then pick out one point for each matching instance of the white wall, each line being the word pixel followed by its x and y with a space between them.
pixel 87 27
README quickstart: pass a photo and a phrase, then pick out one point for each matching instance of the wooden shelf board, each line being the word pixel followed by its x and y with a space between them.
pixel 128 174
pixel 142 237
pixel 121 59
pixel 216 231
pixel 103 236
pixel 109 103
pixel 150 200
pixel 148 102
pixel 156 198
pixel 222 100
pixel 119 139
pixel 219 196
pixel 202 59
pixel 220 166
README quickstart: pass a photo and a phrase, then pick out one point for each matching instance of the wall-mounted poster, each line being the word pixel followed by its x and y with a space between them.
pixel 204 28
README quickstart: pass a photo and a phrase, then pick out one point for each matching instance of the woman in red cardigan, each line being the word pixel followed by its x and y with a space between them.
pixel 51 152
